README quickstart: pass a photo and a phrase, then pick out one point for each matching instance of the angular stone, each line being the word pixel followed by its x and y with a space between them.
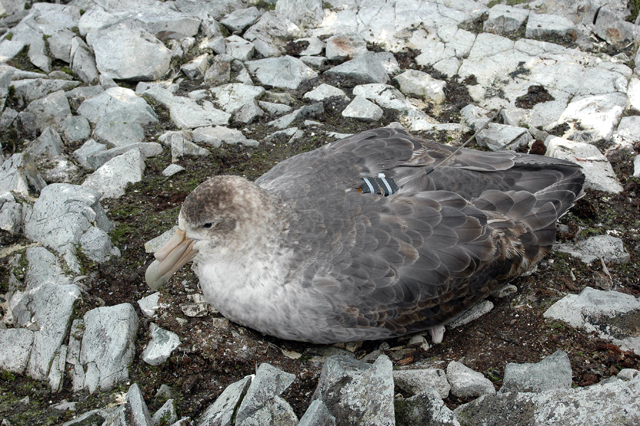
pixel 268 383
pixel 324 91
pixel 43 268
pixel 345 46
pixel 543 25
pixel 365 68
pixel 504 19
pixel 425 408
pixel 187 113
pixel 19 173
pixel 111 179
pixel 466 383
pixel 218 135
pixel 418 83
pixel 149 305
pixel 501 136
pixel 108 345
pixel 51 110
pixel 162 343
pixel 16 347
pixel 612 27
pixel 220 71
pixel 384 95
pixel 362 109
pixel 48 144
pixel 232 97
pixel 272 30
pixel 127 53
pixel 10 213
pixel 137 411
pixel 612 315
pixel 197 67
pixel 222 410
pixel 606 247
pixel 76 129
pixel 248 113
pixel 118 100
pixel 417 381
pixel 594 117
pixel 96 245
pixel 37 54
pixel 165 414
pixel 172 169
pixel 82 61
pixel 98 159
pixel 285 72
pixel 553 372
pixel 239 48
pixel 60 44
pixel 240 19
pixel 317 415
pixel 304 13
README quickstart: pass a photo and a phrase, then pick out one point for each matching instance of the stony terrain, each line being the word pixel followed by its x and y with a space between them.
pixel 113 111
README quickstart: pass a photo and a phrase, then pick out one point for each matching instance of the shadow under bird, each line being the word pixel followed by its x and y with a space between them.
pixel 369 237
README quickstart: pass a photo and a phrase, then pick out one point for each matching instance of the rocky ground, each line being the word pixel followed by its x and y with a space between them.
pixel 114 111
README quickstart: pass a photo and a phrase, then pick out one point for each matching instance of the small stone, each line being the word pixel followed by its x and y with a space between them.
pixel 466 383
pixel 172 169
pixel 345 46
pixel 362 109
pixel 150 304
pixel 162 343
pixel 553 372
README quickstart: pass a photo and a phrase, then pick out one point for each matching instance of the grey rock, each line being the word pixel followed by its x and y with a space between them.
pixel 197 67
pixel 82 61
pixel 248 113
pixel 164 23
pixel 36 88
pixel 150 304
pixel 88 149
pixel 607 247
pixel 96 245
pixel 43 268
pixel 541 25
pixel 275 412
pixel 324 91
pixel 112 178
pixel 117 129
pixel 505 19
pixel 16 347
pixel 608 313
pixel 76 128
pixel 472 314
pixel 239 48
pixel 92 417
pixel 636 166
pixel 425 408
pixel 108 345
pixel 19 173
pixel 307 111
pixel 304 13
pixel 37 54
pixel 315 62
pixel 418 83
pixel 106 82
pixel 240 19
pixel 232 97
pixel 599 174
pixel 147 149
pixel 221 412
pixel 118 100
pixel 592 118
pixel 612 27
pixel 272 30
pixel 57 369
pixel 317 415
pixel 629 128
pixel 26 125
pixel 315 46
pixel 127 53
pixel 416 381
pixel 10 213
pixel 218 135
pixel 165 414
pixel 220 71
pixel 181 147
pixel 50 110
pixel 80 94
pixel 8 117
pixel 467 383
pixel 138 412
pixel 285 72
pixel 274 108
pixel 604 404
pixel 553 372
pixel 268 383
pixel 187 113
pixel 357 393
pixel 48 144
pixel 58 169
pixel 162 343
pixel 627 374
pixel 345 46
pixel 362 109
pixel 501 136
pixel 59 44
pixel 172 169
pixel 384 95
pixel 365 68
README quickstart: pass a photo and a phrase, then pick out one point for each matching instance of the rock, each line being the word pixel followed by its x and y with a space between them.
pixel 268 383
pixel 240 19
pixel 345 46
pixel 306 111
pixel 606 247
pixel 172 169
pixel 274 108
pixel 16 347
pixel 59 44
pixel 127 53
pixel 218 135
pixel 544 25
pixel 47 145
pixel 232 97
pixel 599 174
pixel 425 408
pixel 187 113
pixel 357 393
pixel 181 147
pixel 553 372
pixel 362 109
pixel 18 173
pixel 10 213
pixel 324 91
pixel 112 178
pixel 44 268
pixel 101 157
pixel 270 32
pixel 315 46
pixel 221 412
pixel 304 13
pixel 384 95
pixel 155 244
pixel 365 68
pixel 627 374
pixel 51 110
pixel 165 414
pixel 505 19
pixel 316 62
pixel 76 128
pixel 108 345
pixel 137 410
pixel 162 343
pixel 588 406
pixel 472 314
pixel 220 71
pixel 37 54
pixel 593 117
pixel 88 149
pixel 57 369
pixel 466 383
pixel 317 415
pixel 197 67
pixel 417 381
pixel 37 88
pixel 275 412
pixel 149 305
pixel 96 245
pixel 611 314
pixel 239 48
pixel 421 84
pixel 500 136
pixel 82 61
pixel 636 166
pixel 616 31
pixel 285 72
pixel 248 113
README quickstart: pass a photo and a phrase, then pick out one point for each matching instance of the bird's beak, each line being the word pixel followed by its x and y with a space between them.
pixel 171 257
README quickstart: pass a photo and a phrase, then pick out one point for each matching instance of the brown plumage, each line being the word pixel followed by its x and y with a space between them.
pixel 301 254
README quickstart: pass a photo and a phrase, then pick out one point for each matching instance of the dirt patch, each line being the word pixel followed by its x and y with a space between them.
pixel 536 94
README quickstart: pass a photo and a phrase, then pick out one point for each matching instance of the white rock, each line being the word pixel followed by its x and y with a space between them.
pixel 384 95
pixel 345 46
pixel 607 247
pixel 501 136
pixel 239 48
pixel 364 68
pixel 162 343
pixel 285 72
pixel 362 109
pixel 149 305
pixel 118 100
pixel 416 381
pixel 315 46
pixel 324 91
pixel 467 383
pixel 598 172
pixel 51 110
pixel 636 166
pixel 304 13
pixel 218 135
pixel 232 97
pixel 505 19
pixel 223 409
pixel 172 169
pixel 421 84
pixel 18 173
pixel 112 178
pixel 96 245
pixel 597 116
pixel 540 25
pixel 197 67
pixel 603 312
pixel 82 61
pixel 552 372
pixel 472 314
pixel 240 19
pixel 16 348
pixel 187 113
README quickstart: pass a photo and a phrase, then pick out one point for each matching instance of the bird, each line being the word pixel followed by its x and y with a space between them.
pixel 371 237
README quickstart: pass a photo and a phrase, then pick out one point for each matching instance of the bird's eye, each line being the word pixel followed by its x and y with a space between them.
pixel 208 225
